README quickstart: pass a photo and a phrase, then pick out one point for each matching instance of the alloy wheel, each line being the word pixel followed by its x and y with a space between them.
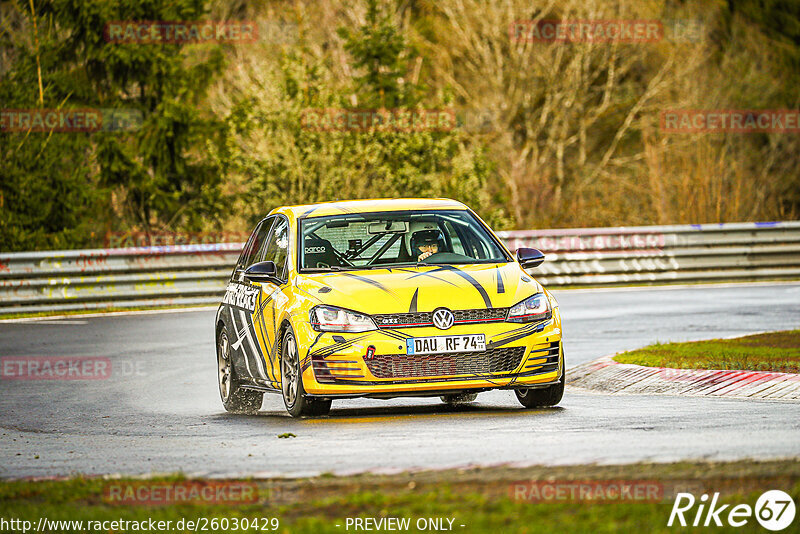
pixel 289 371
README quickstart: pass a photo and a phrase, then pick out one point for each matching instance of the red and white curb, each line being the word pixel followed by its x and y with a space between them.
pixel 604 374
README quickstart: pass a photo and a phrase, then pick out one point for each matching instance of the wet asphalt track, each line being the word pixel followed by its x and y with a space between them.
pixel 160 412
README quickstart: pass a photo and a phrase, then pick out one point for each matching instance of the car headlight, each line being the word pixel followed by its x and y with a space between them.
pixel 333 319
pixel 534 308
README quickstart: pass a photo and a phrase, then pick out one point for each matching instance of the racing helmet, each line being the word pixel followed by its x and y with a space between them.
pixel 424 233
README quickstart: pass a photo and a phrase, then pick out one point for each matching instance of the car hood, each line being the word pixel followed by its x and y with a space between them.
pixel 424 288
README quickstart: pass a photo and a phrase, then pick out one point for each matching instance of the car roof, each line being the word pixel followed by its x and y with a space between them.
pixel 369 206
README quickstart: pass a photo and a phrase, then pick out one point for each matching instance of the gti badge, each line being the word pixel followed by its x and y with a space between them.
pixel 443 318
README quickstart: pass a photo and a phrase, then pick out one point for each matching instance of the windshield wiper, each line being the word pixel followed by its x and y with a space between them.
pixel 406 264
pixel 323 269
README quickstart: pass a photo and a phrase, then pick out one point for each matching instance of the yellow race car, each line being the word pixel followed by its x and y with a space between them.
pixel 380 299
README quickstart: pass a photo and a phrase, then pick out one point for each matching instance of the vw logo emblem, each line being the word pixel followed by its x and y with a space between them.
pixel 443 318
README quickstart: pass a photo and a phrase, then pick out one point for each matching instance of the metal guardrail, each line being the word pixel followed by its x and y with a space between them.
pixel 69 280
pixel 196 274
pixel 663 254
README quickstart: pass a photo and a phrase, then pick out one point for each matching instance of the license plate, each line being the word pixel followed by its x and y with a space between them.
pixel 446 344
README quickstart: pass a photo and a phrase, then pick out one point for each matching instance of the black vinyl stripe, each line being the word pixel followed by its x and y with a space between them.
pixel 514 334
pixel 275 351
pixel 525 327
pixel 349 211
pixel 400 336
pixel 327 351
pixel 321 350
pixel 257 346
pixel 315 342
pixel 500 287
pixel 486 300
pixel 392 334
pixel 265 301
pixel 494 344
pixel 432 276
pixel 310 294
pixel 369 281
pixel 267 366
pixel 413 307
pixel 240 333
pixel 275 331
pixel 247 330
pixel 308 212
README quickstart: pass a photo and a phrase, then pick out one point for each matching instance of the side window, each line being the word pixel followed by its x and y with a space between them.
pixel 277 248
pixel 254 245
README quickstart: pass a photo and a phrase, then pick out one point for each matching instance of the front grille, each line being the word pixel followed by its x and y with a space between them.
pixel 403 319
pixel 481 315
pixel 502 360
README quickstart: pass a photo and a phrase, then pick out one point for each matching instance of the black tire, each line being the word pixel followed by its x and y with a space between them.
pixel 292 390
pixel 543 397
pixel 459 398
pixel 234 398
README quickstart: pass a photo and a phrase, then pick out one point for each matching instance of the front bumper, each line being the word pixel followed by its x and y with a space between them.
pixel 517 355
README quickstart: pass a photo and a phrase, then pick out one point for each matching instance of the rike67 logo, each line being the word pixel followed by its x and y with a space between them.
pixel 774 510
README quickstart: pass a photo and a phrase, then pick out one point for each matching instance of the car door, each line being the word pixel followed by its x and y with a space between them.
pixel 271 302
pixel 241 297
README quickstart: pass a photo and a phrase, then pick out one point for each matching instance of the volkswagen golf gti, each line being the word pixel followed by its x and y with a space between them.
pixel 382 299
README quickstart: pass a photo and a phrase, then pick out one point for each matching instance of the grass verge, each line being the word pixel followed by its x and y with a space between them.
pixel 773 352
pixel 482 500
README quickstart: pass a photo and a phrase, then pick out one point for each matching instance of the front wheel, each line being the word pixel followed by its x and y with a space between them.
pixel 294 395
pixel 543 397
pixel 540 398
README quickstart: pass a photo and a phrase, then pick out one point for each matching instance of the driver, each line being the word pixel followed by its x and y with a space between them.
pixel 426 240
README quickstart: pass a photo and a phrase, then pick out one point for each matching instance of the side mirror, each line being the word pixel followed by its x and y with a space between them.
pixel 529 257
pixel 263 271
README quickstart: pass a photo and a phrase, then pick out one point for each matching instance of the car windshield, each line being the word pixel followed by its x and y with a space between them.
pixel 389 239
